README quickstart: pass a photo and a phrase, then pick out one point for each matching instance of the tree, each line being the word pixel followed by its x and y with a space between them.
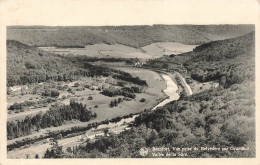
pixel 9 91
pixel 111 104
pixel 119 100
pixel 36 156
pixel 59 136
pixel 183 95
pixel 55 93
pixel 115 102
pixel 142 100
pixel 69 150
pixel 106 130
pixel 27 156
pixel 46 93
pixel 55 152
pixel 76 84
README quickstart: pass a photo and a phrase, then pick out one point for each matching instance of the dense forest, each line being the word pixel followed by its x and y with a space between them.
pixel 217 117
pixel 227 61
pixel 134 36
pixel 55 117
pixel 27 64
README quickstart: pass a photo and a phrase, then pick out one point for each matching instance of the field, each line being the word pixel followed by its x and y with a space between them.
pixel 84 85
pixel 89 87
pixel 151 51
pixel 155 82
pixel 101 51
pixel 167 48
pixel 99 104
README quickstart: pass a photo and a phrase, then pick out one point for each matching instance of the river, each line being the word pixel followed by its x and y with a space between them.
pixel 171 91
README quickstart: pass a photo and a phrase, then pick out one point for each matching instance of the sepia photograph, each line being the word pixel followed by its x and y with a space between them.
pixel 135 85
pixel 131 91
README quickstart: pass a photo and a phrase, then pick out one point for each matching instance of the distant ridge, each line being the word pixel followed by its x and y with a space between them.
pixel 134 36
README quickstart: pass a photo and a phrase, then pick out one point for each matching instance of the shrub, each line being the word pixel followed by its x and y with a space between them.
pixel 142 100
pixel 76 84
pixel 55 93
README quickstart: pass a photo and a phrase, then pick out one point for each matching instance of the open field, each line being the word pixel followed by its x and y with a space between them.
pixel 167 48
pixel 103 111
pixel 101 51
pixel 153 79
pixel 99 103
pixel 153 50
pixel 20 98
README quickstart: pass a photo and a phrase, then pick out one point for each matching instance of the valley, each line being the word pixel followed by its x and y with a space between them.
pixel 170 91
pixel 109 91
pixel 151 51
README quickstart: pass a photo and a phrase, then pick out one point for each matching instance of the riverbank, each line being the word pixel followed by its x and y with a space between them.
pixel 171 91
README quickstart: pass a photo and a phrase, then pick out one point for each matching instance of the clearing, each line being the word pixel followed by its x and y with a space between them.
pixel 154 50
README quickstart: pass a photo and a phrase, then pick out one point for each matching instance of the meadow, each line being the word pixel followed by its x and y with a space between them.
pixel 150 51
pixel 81 91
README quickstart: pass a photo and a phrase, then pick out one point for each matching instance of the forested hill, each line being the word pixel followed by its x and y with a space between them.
pixel 229 61
pixel 134 36
pixel 225 49
pixel 26 64
pixel 222 117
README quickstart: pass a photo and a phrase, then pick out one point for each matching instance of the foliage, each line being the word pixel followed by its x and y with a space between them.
pixel 23 67
pixel 115 92
pixel 219 117
pixel 142 100
pixel 38 103
pixel 56 116
pixel 115 102
pixel 134 36
pixel 54 152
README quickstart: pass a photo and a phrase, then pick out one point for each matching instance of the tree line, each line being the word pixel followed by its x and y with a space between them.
pixel 27 64
pixel 55 117
pixel 22 105
pixel 74 131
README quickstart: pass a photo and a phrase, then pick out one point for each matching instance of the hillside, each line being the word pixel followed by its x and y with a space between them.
pixel 229 60
pixel 222 117
pixel 26 64
pixel 134 36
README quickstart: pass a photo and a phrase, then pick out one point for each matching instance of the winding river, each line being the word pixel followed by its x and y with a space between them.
pixel 171 91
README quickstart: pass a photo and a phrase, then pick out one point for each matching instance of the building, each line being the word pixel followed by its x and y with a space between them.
pixel 18 88
pixel 138 64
